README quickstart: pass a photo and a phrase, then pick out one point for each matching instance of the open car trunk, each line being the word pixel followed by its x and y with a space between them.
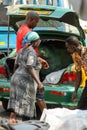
pixel 54 52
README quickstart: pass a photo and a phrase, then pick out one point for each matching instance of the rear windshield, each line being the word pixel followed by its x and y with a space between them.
pixel 54 25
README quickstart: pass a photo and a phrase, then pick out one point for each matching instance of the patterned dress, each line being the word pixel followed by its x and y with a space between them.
pixel 23 87
pixel 80 62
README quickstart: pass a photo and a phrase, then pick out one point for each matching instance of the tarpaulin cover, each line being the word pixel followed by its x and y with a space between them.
pixel 65 119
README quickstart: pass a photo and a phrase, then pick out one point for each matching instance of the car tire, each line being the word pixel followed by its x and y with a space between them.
pixel 5 103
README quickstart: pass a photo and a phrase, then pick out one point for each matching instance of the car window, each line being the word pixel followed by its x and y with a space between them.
pixel 53 25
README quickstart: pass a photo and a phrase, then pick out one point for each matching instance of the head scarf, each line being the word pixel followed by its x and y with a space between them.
pixel 31 36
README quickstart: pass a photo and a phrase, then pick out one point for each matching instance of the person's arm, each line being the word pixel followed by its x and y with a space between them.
pixel 31 61
pixel 77 84
pixel 44 63
pixel 78 80
pixel 36 78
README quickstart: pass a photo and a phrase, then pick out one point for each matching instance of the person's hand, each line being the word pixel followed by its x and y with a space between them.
pixel 74 96
pixel 45 64
pixel 41 88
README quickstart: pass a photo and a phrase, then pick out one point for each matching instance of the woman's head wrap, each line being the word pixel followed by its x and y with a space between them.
pixel 31 36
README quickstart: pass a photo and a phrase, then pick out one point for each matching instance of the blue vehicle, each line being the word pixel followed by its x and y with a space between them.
pixel 7 34
pixel 7 41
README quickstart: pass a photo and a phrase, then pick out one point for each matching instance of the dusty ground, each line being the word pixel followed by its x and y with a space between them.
pixel 5 114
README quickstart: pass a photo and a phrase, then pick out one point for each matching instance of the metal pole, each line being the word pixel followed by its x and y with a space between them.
pixel 34 1
pixel 21 2
pixel 59 2
pixel 52 2
pixel 8 34
pixel 47 2
pixel 7 2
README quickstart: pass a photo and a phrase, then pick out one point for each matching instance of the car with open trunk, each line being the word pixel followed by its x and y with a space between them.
pixel 55 25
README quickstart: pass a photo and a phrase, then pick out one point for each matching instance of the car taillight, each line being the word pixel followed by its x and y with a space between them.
pixel 6 90
pixel 68 77
pixel 3 72
pixel 1 90
pixel 58 93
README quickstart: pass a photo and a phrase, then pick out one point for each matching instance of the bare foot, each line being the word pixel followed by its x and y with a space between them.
pixel 12 121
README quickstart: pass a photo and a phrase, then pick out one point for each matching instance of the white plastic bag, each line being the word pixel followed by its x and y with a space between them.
pixel 65 119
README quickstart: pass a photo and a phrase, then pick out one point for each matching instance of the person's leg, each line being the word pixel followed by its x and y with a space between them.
pixel 12 119
pixel 40 100
pixel 82 104
pixel 41 103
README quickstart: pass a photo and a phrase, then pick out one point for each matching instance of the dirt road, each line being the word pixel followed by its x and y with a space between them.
pixel 6 114
pixel 3 113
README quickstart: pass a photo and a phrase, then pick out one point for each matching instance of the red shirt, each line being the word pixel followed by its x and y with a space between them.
pixel 22 31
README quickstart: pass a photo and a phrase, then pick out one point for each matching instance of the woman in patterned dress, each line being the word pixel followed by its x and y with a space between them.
pixel 23 82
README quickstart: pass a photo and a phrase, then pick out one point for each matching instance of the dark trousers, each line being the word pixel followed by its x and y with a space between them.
pixel 82 104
